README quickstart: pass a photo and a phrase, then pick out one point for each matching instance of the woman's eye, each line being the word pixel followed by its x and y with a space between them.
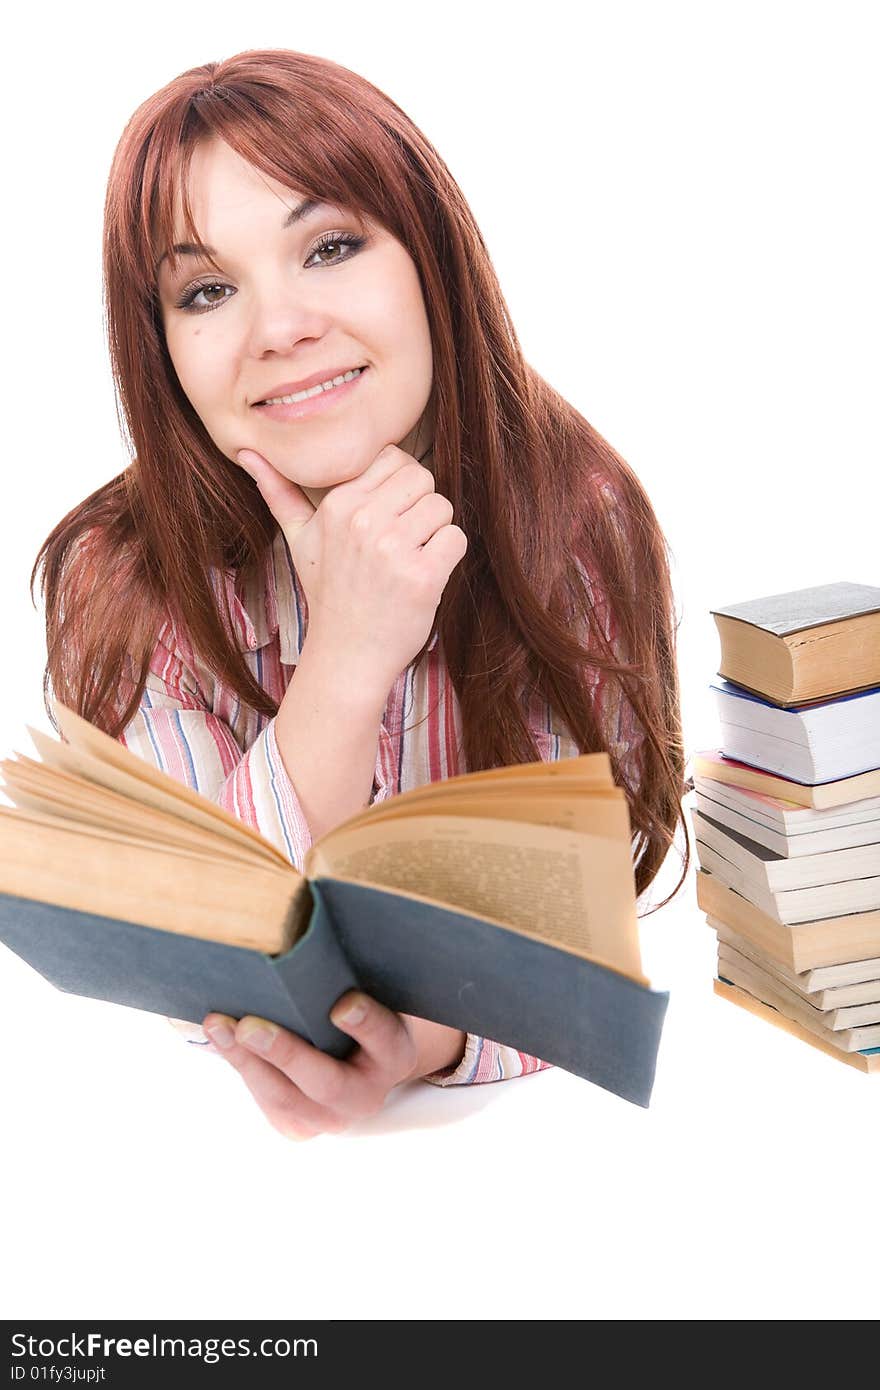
pixel 335 240
pixel 341 246
pixel 191 295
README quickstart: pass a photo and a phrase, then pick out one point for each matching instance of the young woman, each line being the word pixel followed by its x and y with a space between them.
pixel 361 544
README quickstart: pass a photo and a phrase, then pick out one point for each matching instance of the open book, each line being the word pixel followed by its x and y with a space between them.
pixel 501 903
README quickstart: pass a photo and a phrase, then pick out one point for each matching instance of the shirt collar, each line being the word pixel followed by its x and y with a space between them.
pixel 273 602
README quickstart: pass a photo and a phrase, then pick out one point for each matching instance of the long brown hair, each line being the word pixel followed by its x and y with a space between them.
pixel 557 523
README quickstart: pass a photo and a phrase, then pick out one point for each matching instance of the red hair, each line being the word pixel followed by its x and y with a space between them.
pixel 558 525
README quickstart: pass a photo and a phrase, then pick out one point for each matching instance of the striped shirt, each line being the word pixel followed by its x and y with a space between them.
pixel 197 730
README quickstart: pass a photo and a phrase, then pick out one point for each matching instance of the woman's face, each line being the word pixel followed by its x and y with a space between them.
pixel 295 303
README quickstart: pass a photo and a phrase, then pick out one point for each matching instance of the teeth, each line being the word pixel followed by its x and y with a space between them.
pixel 313 390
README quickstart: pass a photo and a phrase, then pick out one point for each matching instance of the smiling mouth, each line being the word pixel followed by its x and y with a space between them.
pixel 322 389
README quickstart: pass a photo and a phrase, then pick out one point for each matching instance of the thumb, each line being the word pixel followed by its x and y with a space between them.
pixel 287 502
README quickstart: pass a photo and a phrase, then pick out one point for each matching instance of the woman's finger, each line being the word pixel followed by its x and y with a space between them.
pixel 388 1052
pixel 285 500
pixel 355 1087
pixel 285 1106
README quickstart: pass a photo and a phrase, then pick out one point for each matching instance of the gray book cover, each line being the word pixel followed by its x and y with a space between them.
pixel 413 955
pixel 804 608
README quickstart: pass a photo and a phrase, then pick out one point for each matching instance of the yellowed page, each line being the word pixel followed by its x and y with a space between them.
pixel 35 787
pixel 565 808
pixel 157 790
pixel 574 891
pixel 593 768
pixel 586 778
pixel 88 740
pixel 95 833
pixel 96 872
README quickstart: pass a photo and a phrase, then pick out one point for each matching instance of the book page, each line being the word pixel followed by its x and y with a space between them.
pixel 91 835
pixel 150 786
pixel 568 808
pixel 520 785
pixel 574 891
pixel 94 872
pixel 591 769
pixel 35 787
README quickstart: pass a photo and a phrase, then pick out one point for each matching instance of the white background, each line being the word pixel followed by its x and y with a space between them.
pixel 681 204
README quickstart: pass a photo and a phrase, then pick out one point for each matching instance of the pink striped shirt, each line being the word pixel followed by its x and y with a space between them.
pixel 195 728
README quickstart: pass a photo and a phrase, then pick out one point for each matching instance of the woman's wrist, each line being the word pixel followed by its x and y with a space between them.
pixel 352 684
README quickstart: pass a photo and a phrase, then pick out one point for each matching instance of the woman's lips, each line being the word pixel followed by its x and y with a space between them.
pixel 313 405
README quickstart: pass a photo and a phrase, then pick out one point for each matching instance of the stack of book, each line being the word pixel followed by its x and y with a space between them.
pixel 787 816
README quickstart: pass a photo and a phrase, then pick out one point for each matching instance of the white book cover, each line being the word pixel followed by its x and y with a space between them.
pixel 821 742
pixel 790 846
pixel 798 905
pixel 771 870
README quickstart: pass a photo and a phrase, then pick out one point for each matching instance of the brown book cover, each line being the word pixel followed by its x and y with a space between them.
pixel 803 645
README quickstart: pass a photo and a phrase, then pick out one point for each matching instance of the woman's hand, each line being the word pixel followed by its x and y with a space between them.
pixel 300 1089
pixel 373 557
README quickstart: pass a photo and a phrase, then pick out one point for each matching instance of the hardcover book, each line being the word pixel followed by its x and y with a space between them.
pixel 501 903
pixel 803 644
pixel 825 741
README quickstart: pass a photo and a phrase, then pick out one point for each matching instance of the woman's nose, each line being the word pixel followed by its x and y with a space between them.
pixel 284 314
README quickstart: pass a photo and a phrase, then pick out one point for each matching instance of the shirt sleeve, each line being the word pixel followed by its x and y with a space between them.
pixel 175 730
pixel 485 1061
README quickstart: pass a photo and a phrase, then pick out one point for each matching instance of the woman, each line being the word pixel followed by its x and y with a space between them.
pixel 361 544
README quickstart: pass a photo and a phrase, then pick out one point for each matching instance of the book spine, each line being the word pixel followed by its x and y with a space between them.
pixel 313 974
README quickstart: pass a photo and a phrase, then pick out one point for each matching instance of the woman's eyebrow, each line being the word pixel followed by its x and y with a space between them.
pixel 296 214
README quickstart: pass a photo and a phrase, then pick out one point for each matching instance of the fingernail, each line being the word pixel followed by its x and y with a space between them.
pixel 221 1034
pixel 259 1036
pixel 355 1012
